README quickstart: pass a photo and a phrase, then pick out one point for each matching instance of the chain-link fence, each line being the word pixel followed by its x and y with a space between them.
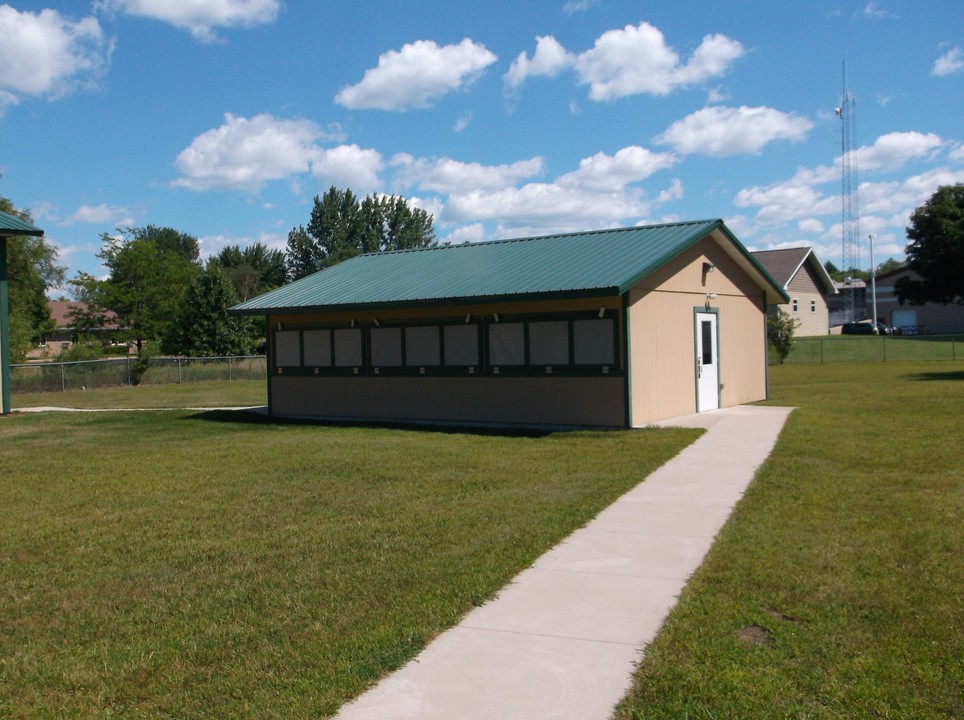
pixel 879 348
pixel 90 374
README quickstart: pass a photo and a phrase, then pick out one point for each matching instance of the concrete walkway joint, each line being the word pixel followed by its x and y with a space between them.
pixel 561 641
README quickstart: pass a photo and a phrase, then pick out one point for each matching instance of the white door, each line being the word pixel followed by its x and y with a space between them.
pixel 707 363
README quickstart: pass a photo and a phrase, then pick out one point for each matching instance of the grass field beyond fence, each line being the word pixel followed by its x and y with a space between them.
pixel 869 348
pixel 49 377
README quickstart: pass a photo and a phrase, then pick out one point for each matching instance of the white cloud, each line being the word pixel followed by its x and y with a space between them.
pixel 451 176
pixel 462 122
pixel 894 150
pixel 549 59
pixel 466 233
pixel 244 154
pixel 632 61
pixel 950 62
pixel 102 214
pixel 612 173
pixel 545 205
pixel 873 10
pixel 417 75
pixel 574 6
pixel 46 54
pixel 348 165
pixel 200 18
pixel 957 154
pixel 725 131
pixel 636 60
pixel 810 225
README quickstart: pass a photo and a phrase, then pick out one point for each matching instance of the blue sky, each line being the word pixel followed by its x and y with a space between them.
pixel 225 118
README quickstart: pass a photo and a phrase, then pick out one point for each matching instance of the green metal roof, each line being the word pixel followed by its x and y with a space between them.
pixel 11 225
pixel 604 262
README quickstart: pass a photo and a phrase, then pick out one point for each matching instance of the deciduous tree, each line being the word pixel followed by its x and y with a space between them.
pixel 202 326
pixel 780 330
pixel 252 270
pixel 32 270
pixel 150 270
pixel 342 227
pixel 936 250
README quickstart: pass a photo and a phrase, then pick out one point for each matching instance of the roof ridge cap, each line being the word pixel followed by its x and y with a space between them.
pixel 552 236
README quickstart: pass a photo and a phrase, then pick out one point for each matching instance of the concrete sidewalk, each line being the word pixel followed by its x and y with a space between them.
pixel 562 639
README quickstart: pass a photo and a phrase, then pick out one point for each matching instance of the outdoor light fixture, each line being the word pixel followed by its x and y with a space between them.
pixel 602 311
pixel 711 296
pixel 468 316
pixel 353 322
pixel 375 320
pixel 708 267
pixel 495 316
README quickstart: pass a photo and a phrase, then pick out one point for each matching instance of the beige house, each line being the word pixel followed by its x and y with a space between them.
pixel 616 328
pixel 806 282
pixel 929 318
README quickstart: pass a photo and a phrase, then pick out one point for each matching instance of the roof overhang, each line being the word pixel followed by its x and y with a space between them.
pixel 606 292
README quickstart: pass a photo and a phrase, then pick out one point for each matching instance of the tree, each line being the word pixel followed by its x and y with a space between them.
pixel 202 326
pixel 887 265
pixel 252 270
pixel 32 270
pixel 150 270
pixel 342 227
pixel 169 240
pixel 936 250
pixel 780 330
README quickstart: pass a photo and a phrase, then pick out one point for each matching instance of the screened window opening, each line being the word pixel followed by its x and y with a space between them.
pixel 348 347
pixel 549 343
pixel 461 345
pixel 317 348
pixel 386 347
pixel 422 346
pixel 507 344
pixel 287 348
pixel 593 342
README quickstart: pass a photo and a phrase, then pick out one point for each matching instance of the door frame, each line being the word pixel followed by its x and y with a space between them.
pixel 697 344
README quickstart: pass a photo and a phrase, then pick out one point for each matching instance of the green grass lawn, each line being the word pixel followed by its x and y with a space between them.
pixel 179 564
pixel 835 591
pixel 174 564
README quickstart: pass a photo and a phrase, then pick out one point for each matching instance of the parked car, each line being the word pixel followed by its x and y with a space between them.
pixel 857 328
pixel 866 328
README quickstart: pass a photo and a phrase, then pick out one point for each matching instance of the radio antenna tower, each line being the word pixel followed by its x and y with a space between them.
pixel 850 203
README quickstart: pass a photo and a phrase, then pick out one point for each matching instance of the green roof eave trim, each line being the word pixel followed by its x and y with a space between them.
pixel 605 292
pixel 12 226
pixel 748 256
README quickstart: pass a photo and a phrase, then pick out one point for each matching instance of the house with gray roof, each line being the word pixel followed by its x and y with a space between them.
pixel 807 284
pixel 611 328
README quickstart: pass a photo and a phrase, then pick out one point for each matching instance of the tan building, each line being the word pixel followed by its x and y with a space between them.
pixel 806 282
pixel 616 328
pixel 926 319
